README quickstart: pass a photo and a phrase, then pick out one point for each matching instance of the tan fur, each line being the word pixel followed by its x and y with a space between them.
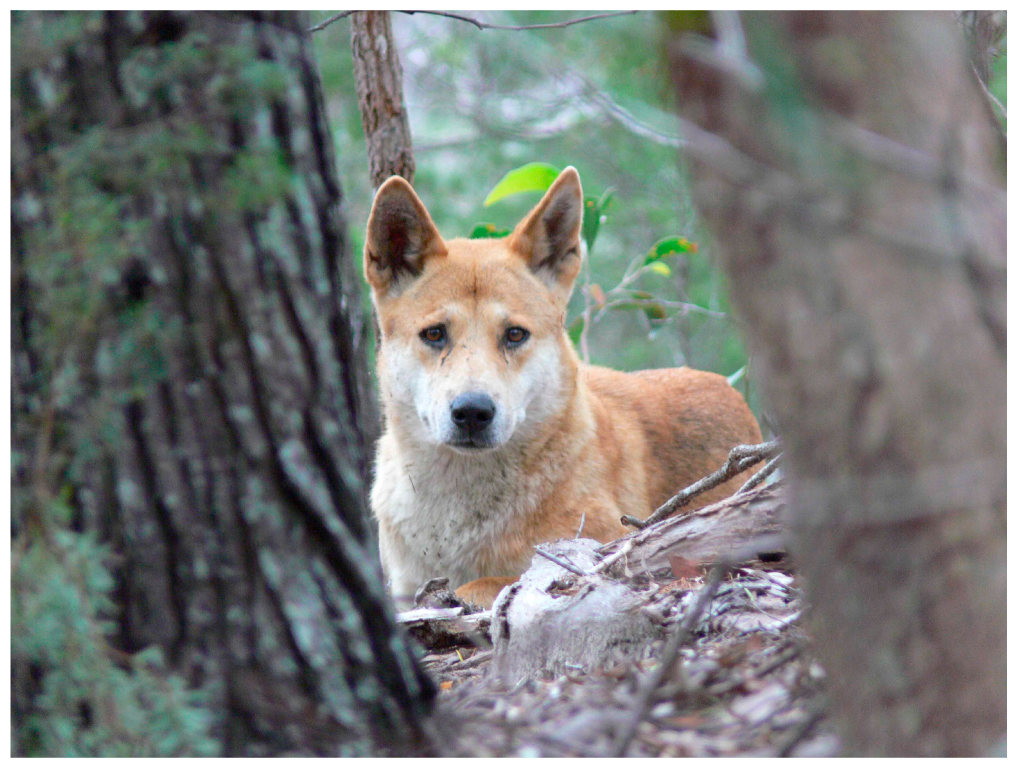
pixel 572 444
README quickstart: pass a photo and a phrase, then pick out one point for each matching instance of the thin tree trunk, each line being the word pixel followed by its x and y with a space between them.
pixel 379 80
pixel 863 228
pixel 180 168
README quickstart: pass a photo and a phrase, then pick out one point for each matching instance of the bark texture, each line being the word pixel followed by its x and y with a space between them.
pixel 217 421
pixel 379 79
pixel 862 225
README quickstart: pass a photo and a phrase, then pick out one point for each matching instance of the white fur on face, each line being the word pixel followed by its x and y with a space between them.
pixel 421 395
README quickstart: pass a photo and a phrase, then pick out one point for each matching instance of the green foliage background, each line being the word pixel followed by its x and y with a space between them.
pixel 482 102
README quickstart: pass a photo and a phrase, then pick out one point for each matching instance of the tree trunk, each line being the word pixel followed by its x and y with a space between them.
pixel 379 78
pixel 863 228
pixel 174 175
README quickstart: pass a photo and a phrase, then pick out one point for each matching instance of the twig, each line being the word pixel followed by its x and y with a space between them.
pixel 816 712
pixel 779 660
pixel 993 101
pixel 558 561
pixel 582 522
pixel 610 560
pixel 762 474
pixel 627 119
pixel 473 661
pixel 741 458
pixel 555 25
pixel 329 20
pixel 483 24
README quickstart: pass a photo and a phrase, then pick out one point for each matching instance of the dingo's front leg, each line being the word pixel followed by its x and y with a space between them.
pixel 483 591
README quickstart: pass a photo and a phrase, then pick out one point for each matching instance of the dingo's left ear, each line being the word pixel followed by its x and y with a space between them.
pixel 400 237
pixel 549 237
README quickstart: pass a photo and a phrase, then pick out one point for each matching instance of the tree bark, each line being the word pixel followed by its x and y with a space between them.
pixel 177 171
pixel 379 80
pixel 863 228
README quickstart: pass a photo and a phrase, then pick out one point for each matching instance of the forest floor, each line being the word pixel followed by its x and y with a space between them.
pixel 747 685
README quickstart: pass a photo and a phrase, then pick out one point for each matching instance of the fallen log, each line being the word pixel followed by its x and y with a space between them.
pixel 443 628
pixel 703 536
pixel 576 607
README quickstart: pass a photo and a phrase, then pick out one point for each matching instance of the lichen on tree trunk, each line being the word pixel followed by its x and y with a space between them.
pixel 221 424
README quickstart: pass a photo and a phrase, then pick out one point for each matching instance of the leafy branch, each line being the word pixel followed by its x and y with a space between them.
pixel 538 177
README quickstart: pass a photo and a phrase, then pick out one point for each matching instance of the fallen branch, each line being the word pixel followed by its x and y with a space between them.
pixel 705 535
pixel 441 628
pixel 741 458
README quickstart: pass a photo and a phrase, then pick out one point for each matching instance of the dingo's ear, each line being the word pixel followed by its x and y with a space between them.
pixel 400 237
pixel 549 237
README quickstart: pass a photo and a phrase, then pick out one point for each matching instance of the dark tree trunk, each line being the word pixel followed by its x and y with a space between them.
pixel 863 228
pixel 379 78
pixel 219 419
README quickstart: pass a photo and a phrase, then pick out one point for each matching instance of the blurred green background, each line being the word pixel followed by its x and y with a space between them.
pixel 597 96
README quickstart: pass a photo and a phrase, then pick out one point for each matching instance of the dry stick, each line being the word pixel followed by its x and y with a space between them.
pixel 558 561
pixel 816 712
pixel 741 458
pixel 329 20
pixel 483 24
pixel 610 560
pixel 779 660
pixel 762 474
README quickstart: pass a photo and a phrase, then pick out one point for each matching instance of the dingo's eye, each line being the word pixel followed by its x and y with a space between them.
pixel 435 335
pixel 516 336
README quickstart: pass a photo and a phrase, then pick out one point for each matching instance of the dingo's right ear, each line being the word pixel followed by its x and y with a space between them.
pixel 400 237
pixel 549 238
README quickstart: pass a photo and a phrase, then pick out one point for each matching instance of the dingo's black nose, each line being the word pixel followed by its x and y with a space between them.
pixel 473 411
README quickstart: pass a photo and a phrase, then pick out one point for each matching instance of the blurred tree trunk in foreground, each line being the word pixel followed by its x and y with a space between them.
pixel 859 217
pixel 190 368
pixel 379 80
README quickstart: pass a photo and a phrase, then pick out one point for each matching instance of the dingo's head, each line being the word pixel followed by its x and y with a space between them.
pixel 473 349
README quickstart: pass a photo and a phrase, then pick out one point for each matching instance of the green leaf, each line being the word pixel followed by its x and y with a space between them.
pixel 655 311
pixel 532 177
pixel 576 330
pixel 660 268
pixel 485 229
pixel 735 377
pixel 668 246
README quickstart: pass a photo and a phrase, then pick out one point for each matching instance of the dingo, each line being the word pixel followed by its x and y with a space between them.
pixel 496 436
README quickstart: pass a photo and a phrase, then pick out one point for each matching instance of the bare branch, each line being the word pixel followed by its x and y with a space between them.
pixel 556 25
pixel 762 474
pixel 741 458
pixel 329 20
pixel 627 120
pixel 483 24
